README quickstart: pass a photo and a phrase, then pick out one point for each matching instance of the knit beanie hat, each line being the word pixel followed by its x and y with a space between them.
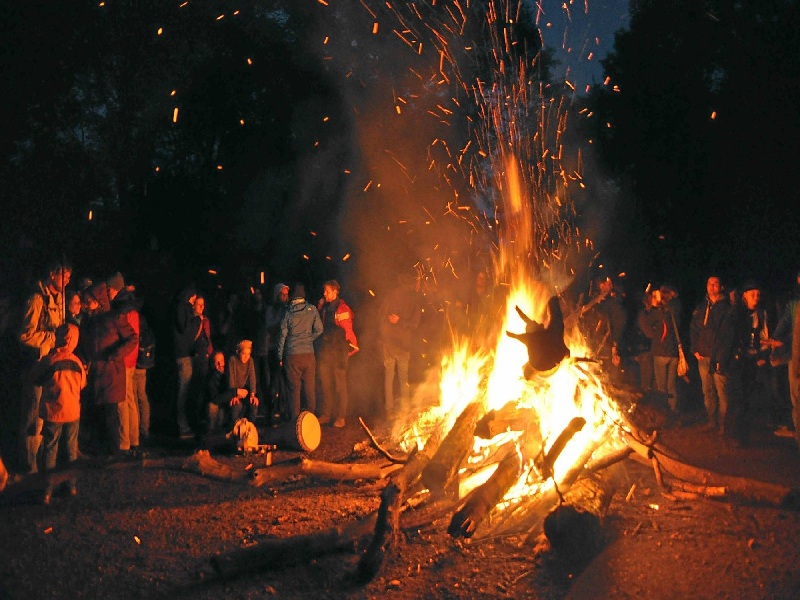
pixel 298 291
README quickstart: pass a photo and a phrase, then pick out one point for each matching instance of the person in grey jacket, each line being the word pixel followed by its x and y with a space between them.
pixel 300 326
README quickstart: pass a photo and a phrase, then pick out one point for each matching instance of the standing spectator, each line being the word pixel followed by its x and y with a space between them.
pixel 754 356
pixel 300 326
pixel 400 316
pixel 277 397
pixel 62 377
pixel 659 325
pixel 200 355
pixel 242 380
pixel 706 321
pixel 110 339
pixel 183 336
pixel 783 336
pixel 334 348
pixel 145 360
pixel 44 313
pixel 794 377
pixel 643 346
pixel 604 325
pixel 125 303
pixel 258 327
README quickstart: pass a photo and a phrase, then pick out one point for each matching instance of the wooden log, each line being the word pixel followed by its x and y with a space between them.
pixel 508 418
pixel 278 553
pixel 444 465
pixel 387 522
pixel 202 463
pixel 484 498
pixel 574 528
pixel 748 489
pixel 346 472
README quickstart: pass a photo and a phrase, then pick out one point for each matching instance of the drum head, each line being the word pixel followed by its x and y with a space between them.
pixel 309 432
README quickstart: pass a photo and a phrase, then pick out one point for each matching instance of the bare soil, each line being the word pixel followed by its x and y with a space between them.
pixel 142 532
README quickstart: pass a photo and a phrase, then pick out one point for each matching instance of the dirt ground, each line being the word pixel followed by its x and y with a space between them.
pixel 142 532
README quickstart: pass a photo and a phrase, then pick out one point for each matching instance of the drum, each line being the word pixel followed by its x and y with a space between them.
pixel 302 434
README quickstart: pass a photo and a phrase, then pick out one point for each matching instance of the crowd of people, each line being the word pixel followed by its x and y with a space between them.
pixel 744 353
pixel 87 350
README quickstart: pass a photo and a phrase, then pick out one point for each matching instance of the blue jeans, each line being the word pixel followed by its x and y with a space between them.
pixel 184 377
pixel 395 358
pixel 53 433
pixel 666 372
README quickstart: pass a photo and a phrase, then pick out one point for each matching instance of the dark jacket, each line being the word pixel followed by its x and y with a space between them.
pixel 217 389
pixel 406 303
pixel 706 321
pixel 657 325
pixel 183 331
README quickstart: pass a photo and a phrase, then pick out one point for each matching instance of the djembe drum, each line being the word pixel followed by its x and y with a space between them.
pixel 302 434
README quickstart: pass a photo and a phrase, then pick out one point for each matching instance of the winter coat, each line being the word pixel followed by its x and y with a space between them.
pixel 217 389
pixel 44 312
pixel 110 339
pixel 62 377
pixel 300 326
pixel 657 325
pixel 706 321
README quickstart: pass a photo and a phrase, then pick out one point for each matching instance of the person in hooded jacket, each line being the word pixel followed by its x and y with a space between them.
pixel 110 339
pixel 62 377
pixel 300 326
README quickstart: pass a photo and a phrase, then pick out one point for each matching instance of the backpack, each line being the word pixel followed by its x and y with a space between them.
pixel 147 345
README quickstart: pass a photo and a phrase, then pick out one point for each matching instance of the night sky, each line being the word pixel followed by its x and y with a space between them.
pixel 352 145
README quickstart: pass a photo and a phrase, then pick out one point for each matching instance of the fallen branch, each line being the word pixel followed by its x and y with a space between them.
pixel 390 457
pixel 747 489
pixel 387 523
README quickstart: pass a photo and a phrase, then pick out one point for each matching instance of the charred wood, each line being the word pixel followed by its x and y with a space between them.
pixel 484 498
pixel 387 522
pixel 444 465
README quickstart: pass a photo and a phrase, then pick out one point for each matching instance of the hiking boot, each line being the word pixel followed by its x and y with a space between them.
pixel 324 420
pixel 339 423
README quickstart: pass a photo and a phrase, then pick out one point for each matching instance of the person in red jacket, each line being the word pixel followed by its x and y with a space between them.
pixel 110 338
pixel 62 377
pixel 334 348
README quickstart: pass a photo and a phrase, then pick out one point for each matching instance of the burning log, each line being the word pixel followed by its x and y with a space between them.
pixel 545 466
pixel 484 498
pixel 508 418
pixel 392 498
pixel 443 467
